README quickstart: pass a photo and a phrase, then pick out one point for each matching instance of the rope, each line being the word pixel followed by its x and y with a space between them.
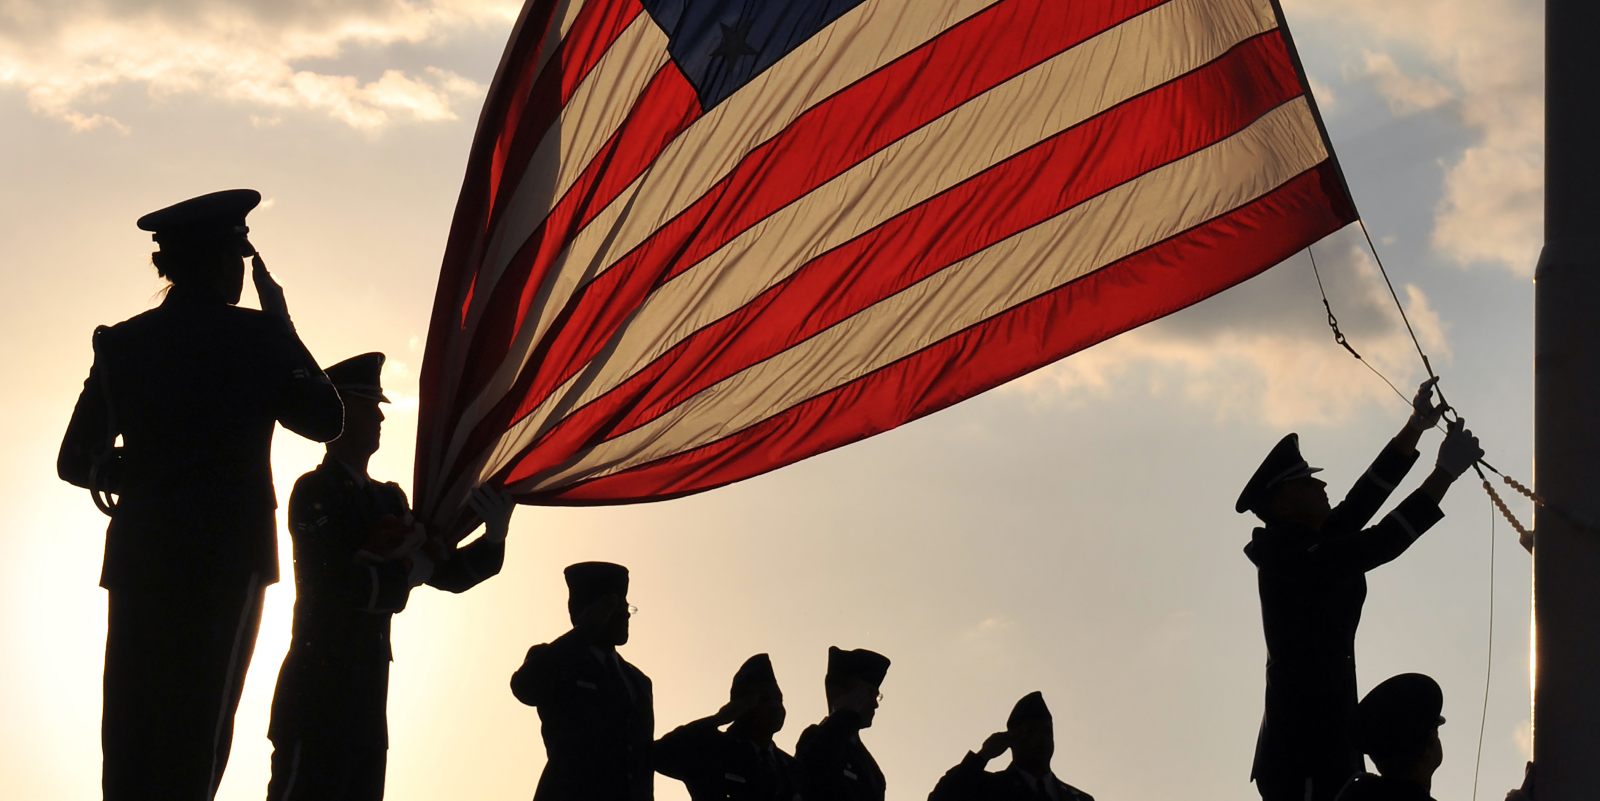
pixel 1333 322
pixel 1488 667
pixel 1397 304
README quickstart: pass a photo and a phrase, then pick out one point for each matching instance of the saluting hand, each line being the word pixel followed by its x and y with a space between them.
pixel 268 291
pixel 735 709
pixel 994 745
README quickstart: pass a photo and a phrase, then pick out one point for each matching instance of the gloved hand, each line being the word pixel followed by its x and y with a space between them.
pixel 1460 449
pixel 1424 414
pixel 420 568
pixel 495 507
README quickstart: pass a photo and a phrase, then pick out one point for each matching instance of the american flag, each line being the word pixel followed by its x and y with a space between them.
pixel 702 239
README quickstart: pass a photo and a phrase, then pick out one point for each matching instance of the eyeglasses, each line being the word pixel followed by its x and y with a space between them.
pixel 880 698
pixel 632 610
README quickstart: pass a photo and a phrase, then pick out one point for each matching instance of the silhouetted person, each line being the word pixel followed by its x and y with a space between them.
pixel 1311 570
pixel 357 554
pixel 837 766
pixel 193 388
pixel 742 763
pixel 596 710
pixel 1030 736
pixel 1397 724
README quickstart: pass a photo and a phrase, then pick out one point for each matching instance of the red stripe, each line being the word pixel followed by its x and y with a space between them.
pixel 1159 127
pixel 944 73
pixel 458 274
pixel 1141 288
pixel 513 104
pixel 525 116
pixel 597 27
pixel 664 110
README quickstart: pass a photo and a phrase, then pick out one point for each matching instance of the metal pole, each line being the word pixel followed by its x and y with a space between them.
pixel 1566 559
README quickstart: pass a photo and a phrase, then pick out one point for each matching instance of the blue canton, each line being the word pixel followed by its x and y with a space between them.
pixel 721 45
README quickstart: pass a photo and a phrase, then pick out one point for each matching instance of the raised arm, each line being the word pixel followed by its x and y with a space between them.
pixel 1375 486
pixel 307 403
pixel 968 779
pixel 1419 512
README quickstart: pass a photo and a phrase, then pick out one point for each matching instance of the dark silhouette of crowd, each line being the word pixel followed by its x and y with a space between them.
pixel 192 391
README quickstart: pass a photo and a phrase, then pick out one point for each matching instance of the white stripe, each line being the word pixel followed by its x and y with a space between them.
pixel 252 597
pixel 597 108
pixel 1123 62
pixel 1383 485
pixel 1405 524
pixel 1135 215
pixel 858 43
pixel 560 25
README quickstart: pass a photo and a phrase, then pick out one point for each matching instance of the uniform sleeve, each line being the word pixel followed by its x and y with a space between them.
pixel 86 434
pixel 1371 490
pixel 89 432
pixel 325 544
pixel 682 753
pixel 1381 543
pixel 532 682
pixel 306 402
pixel 823 751
pixel 469 566
pixel 967 781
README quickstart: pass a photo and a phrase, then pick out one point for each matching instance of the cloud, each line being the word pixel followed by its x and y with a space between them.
pixel 1262 351
pixel 69 56
pixel 1405 94
pixel 1482 62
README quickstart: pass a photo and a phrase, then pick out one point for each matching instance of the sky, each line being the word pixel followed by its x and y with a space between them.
pixel 1071 532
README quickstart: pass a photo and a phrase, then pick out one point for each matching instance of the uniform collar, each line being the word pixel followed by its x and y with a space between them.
pixel 183 295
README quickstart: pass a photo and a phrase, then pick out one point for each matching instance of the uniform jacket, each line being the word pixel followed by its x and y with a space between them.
pixel 837 767
pixel 718 765
pixel 597 730
pixel 1367 787
pixel 1312 587
pixel 968 781
pixel 334 683
pixel 194 388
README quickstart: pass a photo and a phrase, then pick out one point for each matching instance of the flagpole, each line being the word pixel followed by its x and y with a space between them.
pixel 1566 559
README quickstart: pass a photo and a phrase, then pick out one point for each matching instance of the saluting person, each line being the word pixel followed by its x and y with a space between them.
pixel 741 764
pixel 596 710
pixel 357 554
pixel 193 388
pixel 1311 564
pixel 1030 736
pixel 837 765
